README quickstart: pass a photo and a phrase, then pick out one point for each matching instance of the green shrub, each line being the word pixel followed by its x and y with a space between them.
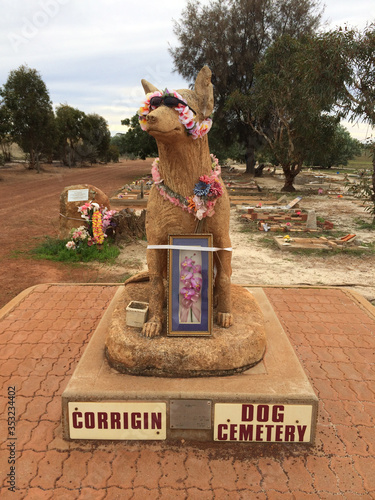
pixel 55 249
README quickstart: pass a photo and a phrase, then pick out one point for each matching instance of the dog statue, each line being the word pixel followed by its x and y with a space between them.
pixel 178 120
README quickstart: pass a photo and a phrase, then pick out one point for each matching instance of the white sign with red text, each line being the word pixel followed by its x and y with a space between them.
pixel 117 420
pixel 262 422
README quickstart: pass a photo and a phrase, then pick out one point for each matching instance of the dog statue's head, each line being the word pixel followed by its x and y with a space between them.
pixel 168 115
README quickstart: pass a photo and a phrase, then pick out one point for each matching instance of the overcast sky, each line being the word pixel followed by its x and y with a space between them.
pixel 92 54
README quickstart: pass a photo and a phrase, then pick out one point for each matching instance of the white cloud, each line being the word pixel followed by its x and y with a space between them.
pixel 354 14
pixel 359 130
pixel 93 54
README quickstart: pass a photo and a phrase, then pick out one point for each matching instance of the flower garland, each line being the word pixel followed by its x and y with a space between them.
pixel 185 114
pixel 98 220
pixel 206 191
pixel 97 227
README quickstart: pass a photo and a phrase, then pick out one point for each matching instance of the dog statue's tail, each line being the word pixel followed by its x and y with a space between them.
pixel 138 278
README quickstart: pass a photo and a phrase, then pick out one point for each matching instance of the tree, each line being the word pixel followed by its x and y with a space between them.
pixel 118 140
pixel 296 86
pixel 5 135
pixel 69 124
pixel 360 50
pixel 136 142
pixel 81 137
pixel 26 98
pixel 96 138
pixel 334 149
pixel 113 153
pixel 231 37
pixel 356 87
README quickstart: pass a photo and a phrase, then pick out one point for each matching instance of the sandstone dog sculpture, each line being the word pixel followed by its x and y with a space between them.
pixel 178 120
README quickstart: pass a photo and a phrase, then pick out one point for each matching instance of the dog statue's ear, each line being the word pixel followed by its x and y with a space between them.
pixel 148 87
pixel 204 91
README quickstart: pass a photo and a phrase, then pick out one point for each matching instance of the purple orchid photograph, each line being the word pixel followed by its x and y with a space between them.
pixel 190 285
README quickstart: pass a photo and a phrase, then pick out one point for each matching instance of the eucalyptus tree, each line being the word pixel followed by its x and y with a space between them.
pixel 231 37
pixel 359 47
pixel 5 134
pixel 69 124
pixel 26 100
pixel 291 105
pixel 135 142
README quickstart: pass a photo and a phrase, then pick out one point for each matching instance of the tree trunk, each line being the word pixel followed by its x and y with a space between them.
pixel 253 141
pixel 250 161
pixel 32 159
pixel 288 186
pixel 290 172
pixel 37 163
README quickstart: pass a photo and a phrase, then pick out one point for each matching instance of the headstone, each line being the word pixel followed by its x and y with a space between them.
pixel 311 220
pixel 73 197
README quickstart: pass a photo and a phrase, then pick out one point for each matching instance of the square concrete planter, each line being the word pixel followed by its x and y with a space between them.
pixel 136 313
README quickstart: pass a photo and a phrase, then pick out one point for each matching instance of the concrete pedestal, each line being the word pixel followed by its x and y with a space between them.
pixel 271 402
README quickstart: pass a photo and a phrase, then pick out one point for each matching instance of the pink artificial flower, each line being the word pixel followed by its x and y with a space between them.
pixel 187 262
pixel 199 203
pixel 205 178
pixel 142 123
pixel 155 171
pixel 185 276
pixel 70 245
pixel 202 128
pixel 216 189
pixel 186 117
pixel 189 294
pixel 210 211
pixel 200 213
pixel 196 282
pixel 215 161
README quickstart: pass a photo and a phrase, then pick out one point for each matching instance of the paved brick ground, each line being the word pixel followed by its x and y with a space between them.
pixel 42 338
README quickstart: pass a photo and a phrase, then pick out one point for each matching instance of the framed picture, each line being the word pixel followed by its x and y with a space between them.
pixel 190 277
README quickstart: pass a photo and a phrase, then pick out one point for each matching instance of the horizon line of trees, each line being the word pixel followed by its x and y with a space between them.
pixel 69 135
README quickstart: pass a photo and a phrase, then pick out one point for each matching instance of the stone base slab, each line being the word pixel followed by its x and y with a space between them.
pixel 277 380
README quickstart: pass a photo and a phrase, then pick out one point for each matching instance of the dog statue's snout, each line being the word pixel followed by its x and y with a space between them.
pixel 151 118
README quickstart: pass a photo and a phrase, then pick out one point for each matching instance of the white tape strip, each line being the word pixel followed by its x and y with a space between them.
pixel 187 247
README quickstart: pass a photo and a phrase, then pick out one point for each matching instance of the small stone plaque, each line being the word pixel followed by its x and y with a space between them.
pixel 78 195
pixel 190 414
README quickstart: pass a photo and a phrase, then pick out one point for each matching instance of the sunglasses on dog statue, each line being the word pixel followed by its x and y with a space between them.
pixel 170 101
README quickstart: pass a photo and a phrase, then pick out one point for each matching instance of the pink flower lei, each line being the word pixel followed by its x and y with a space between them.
pixel 185 115
pixel 206 191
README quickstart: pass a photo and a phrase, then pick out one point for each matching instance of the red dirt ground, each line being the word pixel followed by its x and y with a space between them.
pixel 30 210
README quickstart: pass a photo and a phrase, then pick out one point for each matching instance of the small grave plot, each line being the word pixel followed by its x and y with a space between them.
pixel 237 187
pixel 133 195
pixel 253 200
pixel 291 243
pixel 277 220
pixel 285 220
pixel 136 190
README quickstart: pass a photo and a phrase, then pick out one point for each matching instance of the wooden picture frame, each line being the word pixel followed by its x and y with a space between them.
pixel 190 285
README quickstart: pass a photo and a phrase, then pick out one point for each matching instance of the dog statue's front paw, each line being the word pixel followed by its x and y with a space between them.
pixel 224 320
pixel 152 328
